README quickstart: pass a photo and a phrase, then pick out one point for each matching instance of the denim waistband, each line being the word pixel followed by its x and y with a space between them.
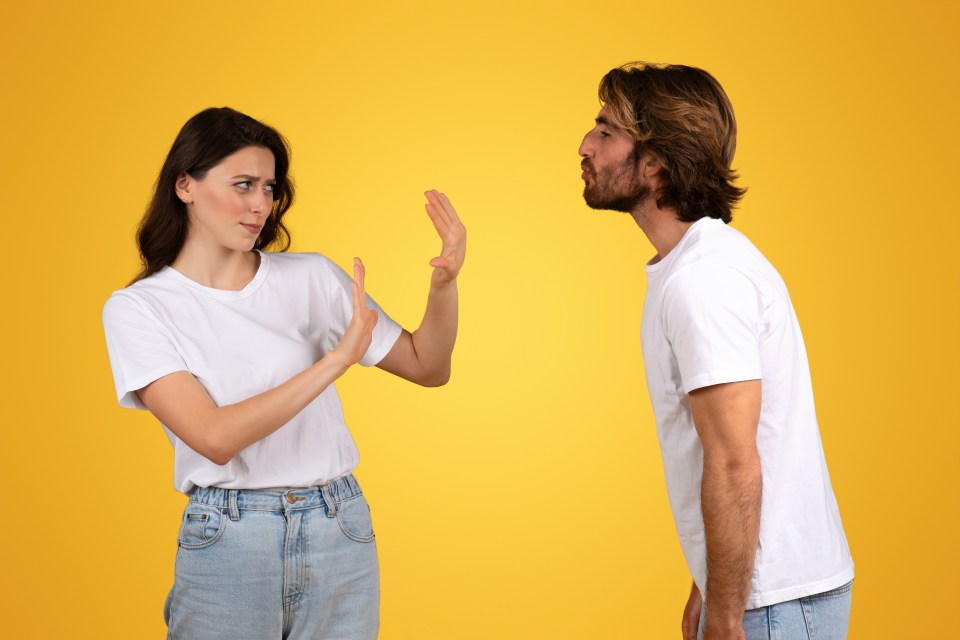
pixel 329 495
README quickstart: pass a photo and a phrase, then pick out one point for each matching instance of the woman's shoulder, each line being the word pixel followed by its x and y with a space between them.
pixel 305 261
pixel 136 293
pixel 133 301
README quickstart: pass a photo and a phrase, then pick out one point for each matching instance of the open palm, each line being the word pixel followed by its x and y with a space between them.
pixel 452 234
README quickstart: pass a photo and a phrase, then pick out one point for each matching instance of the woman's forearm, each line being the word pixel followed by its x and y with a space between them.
pixel 234 427
pixel 219 433
pixel 423 357
pixel 437 334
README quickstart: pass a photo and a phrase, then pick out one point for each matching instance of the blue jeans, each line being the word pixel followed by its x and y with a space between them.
pixel 271 565
pixel 822 616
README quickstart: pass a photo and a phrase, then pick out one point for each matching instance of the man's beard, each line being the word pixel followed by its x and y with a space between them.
pixel 616 189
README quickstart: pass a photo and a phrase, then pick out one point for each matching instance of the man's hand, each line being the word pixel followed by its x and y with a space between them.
pixel 691 614
pixel 690 624
pixel 735 633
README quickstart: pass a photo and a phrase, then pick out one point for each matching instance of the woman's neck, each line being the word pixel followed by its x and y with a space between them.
pixel 217 267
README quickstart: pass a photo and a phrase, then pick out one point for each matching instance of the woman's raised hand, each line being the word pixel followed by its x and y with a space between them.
pixel 356 339
pixel 452 233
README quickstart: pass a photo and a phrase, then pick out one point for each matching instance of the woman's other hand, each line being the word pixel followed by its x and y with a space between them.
pixel 452 234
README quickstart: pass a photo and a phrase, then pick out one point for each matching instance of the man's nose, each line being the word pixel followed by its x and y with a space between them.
pixel 586 149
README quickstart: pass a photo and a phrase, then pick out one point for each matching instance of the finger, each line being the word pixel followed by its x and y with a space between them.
pixel 360 274
pixel 357 307
pixel 439 215
pixel 437 199
pixel 451 212
pixel 438 223
pixel 456 231
pixel 441 262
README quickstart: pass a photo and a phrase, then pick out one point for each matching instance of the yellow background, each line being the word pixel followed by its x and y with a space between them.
pixel 526 498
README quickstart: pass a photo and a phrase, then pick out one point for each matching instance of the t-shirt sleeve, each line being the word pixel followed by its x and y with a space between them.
pixel 386 332
pixel 140 349
pixel 712 318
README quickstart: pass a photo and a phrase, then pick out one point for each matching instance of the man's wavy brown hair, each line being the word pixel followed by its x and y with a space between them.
pixel 681 116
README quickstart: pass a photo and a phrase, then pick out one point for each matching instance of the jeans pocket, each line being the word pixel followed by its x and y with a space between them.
pixel 833 593
pixel 202 526
pixel 827 614
pixel 353 516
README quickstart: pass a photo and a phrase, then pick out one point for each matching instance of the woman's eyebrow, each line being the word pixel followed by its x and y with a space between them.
pixel 250 178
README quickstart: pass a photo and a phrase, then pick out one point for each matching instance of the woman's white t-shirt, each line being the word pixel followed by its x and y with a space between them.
pixel 239 344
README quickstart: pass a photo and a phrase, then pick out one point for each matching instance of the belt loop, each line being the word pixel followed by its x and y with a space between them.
pixel 329 500
pixel 232 500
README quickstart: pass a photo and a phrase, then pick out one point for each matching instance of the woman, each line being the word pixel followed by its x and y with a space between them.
pixel 235 351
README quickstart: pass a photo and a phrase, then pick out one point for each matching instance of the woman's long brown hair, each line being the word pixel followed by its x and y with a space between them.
pixel 203 142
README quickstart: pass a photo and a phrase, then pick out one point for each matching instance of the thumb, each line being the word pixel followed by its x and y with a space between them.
pixel 440 261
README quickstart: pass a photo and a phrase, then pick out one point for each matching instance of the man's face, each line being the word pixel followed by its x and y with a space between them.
pixel 610 170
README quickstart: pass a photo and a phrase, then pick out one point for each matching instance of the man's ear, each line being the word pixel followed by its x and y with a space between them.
pixel 183 187
pixel 649 171
pixel 650 166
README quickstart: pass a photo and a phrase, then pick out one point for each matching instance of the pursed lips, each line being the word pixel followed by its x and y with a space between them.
pixel 252 228
pixel 585 166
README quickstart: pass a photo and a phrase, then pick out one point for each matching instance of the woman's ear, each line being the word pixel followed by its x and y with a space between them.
pixel 183 187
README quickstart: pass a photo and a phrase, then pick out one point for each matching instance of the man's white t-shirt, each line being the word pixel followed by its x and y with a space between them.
pixel 239 344
pixel 717 311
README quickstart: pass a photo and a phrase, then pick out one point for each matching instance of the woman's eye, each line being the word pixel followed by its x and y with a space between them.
pixel 242 185
pixel 604 134
pixel 270 187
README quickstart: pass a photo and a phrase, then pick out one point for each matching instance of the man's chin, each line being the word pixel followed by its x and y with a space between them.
pixel 592 200
pixel 599 204
pixel 607 201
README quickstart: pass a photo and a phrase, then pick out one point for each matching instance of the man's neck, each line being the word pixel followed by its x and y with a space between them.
pixel 660 225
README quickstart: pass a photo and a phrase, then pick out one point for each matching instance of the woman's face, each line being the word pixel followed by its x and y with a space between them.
pixel 229 206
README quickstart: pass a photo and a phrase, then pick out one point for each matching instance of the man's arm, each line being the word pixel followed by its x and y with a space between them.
pixel 726 418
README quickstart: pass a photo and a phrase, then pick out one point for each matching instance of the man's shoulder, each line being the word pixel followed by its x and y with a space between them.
pixel 722 252
pixel 715 240
pixel 713 280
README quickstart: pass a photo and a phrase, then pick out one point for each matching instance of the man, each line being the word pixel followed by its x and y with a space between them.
pixel 726 367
